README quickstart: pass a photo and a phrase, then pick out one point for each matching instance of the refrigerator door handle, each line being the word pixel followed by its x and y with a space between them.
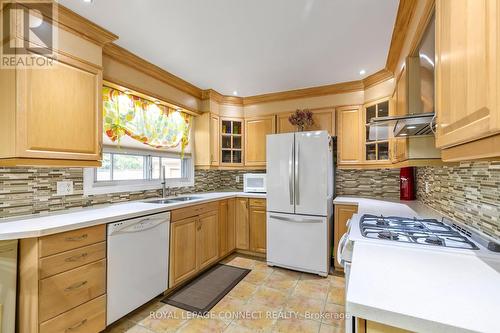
pixel 290 172
pixel 297 191
pixel 297 220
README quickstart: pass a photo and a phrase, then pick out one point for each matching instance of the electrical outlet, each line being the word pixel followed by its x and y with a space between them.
pixel 237 179
pixel 65 187
pixel 427 187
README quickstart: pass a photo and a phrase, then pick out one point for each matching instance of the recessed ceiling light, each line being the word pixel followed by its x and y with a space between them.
pixel 411 127
pixel 403 134
pixel 88 1
pixel 127 92
pixel 157 102
pixel 235 93
pixel 362 72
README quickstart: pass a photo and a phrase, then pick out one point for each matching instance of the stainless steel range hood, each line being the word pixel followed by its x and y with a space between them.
pixel 403 126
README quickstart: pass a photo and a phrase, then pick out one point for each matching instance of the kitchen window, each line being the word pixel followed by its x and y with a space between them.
pixel 141 138
pixel 131 170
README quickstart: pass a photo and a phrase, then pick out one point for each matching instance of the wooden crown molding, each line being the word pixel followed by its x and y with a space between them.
pixel 75 23
pixel 332 89
pixel 378 77
pixel 70 21
pixel 221 99
pixel 125 57
pixel 337 88
pixel 405 13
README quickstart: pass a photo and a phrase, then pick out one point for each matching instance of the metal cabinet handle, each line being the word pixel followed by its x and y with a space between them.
pixel 76 258
pixel 80 324
pixel 290 172
pixel 297 190
pixel 76 286
pixel 76 239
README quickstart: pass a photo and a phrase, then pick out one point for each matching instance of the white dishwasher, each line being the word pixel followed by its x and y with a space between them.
pixel 138 255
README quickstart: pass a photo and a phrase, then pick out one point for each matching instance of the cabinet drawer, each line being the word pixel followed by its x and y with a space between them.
pixel 64 291
pixel 65 261
pixel 183 213
pixel 71 240
pixel 257 203
pixel 86 318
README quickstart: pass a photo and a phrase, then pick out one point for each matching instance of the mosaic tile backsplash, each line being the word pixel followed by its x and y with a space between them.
pixel 468 193
pixel 382 183
pixel 25 191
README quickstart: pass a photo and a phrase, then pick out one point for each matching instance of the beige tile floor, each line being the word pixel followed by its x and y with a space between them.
pixel 266 300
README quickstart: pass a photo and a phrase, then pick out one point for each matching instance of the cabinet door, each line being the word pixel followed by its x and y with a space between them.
pixel 59 111
pixel 257 221
pixel 398 106
pixel 284 125
pixel 324 120
pixel 256 130
pixel 242 227
pixel 182 250
pixel 349 135
pixel 223 228
pixel 214 140
pixel 231 224
pixel 342 214
pixel 207 240
pixel 466 70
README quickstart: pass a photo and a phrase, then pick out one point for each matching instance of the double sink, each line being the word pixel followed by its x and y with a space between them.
pixel 173 200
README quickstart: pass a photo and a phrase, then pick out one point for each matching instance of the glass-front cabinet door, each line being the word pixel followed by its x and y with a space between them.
pixel 376 139
pixel 231 141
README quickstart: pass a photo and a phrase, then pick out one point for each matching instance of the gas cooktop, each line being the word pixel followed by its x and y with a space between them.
pixel 418 231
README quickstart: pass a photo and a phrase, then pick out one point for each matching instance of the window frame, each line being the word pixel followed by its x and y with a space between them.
pixel 92 187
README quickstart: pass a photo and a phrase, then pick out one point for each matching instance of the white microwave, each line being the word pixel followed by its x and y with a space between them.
pixel 254 182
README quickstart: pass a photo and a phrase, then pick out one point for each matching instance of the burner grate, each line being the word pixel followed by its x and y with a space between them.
pixel 420 231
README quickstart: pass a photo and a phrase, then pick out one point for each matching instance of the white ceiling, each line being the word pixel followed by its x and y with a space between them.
pixel 253 47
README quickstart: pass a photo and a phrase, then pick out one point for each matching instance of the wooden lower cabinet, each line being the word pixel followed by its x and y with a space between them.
pixel 183 250
pixel 341 215
pixel 226 227
pixel 194 241
pixel 62 282
pixel 92 312
pixel 242 225
pixel 257 226
pixel 207 240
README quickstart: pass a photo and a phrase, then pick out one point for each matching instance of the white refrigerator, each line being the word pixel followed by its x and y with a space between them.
pixel 299 201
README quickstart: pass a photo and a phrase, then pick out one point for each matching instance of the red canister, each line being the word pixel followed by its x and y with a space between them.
pixel 407 183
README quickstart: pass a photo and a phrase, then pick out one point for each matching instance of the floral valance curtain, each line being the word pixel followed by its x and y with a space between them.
pixel 144 121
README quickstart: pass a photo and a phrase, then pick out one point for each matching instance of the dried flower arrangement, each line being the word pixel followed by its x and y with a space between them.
pixel 301 118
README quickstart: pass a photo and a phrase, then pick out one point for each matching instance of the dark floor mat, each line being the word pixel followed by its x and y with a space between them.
pixel 205 291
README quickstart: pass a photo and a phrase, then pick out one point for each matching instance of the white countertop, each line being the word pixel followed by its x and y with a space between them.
pixel 388 207
pixel 419 288
pixel 42 225
pixel 424 290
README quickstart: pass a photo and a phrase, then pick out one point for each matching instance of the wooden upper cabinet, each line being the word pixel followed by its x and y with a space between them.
pixel 467 34
pixel 324 119
pixel 214 140
pixel 349 135
pixel 256 130
pixel 54 114
pixel 401 94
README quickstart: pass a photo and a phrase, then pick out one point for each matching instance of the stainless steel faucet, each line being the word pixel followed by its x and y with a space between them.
pixel 163 182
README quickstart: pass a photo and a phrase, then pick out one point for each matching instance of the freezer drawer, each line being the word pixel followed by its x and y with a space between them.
pixel 298 242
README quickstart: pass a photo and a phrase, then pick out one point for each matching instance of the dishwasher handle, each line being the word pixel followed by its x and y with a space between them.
pixel 138 225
